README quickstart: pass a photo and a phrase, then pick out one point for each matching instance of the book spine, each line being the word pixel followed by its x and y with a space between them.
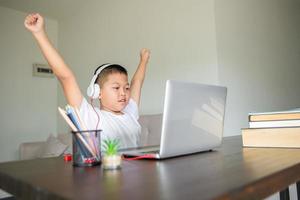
pixel 272 137
pixel 281 123
pixel 269 117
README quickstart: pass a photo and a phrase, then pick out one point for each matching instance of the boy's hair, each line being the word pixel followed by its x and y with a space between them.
pixel 111 69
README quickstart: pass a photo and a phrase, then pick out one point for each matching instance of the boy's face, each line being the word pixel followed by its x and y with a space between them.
pixel 115 93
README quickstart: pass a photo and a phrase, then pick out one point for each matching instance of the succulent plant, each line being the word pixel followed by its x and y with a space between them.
pixel 111 146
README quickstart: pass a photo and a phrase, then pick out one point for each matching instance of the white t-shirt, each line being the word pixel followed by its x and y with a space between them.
pixel 124 127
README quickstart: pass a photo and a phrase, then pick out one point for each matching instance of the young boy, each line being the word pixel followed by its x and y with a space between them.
pixel 118 113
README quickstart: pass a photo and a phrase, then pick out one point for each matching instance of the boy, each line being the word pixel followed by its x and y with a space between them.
pixel 118 113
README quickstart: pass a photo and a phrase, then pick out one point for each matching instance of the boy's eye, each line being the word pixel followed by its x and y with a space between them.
pixel 116 88
pixel 127 88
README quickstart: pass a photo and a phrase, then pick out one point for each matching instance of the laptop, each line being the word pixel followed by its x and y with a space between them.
pixel 193 119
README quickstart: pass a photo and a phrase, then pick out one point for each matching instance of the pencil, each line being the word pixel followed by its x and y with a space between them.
pixel 69 122
pixel 64 115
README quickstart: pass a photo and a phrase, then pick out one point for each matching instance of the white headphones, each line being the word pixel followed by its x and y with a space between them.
pixel 93 91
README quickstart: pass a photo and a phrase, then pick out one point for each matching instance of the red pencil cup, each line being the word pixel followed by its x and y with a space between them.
pixel 86 148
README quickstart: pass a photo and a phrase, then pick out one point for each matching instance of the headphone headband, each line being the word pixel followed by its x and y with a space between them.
pixel 93 90
pixel 98 71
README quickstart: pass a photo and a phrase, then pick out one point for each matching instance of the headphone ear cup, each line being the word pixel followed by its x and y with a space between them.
pixel 90 91
pixel 93 91
pixel 96 91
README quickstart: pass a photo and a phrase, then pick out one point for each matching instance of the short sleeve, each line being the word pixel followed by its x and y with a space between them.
pixel 89 115
pixel 132 109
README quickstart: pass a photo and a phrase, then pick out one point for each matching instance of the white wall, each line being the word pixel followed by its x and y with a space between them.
pixel 28 104
pixel 180 34
pixel 259 54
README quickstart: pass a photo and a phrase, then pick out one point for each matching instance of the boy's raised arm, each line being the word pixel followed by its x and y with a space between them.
pixel 35 24
pixel 139 76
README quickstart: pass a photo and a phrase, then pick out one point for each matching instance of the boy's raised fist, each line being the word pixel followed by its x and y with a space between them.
pixel 34 22
pixel 145 55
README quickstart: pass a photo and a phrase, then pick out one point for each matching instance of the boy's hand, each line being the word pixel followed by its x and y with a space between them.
pixel 139 76
pixel 145 55
pixel 34 22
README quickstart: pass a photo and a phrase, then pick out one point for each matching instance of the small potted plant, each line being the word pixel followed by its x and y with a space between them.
pixel 111 158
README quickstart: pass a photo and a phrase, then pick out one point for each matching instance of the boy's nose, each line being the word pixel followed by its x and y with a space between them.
pixel 122 92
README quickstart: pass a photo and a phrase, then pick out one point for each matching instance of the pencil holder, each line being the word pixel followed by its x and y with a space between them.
pixel 86 148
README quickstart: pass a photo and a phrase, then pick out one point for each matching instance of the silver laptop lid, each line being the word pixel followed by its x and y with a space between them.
pixel 193 118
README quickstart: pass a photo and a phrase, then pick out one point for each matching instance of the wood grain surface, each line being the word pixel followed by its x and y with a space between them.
pixel 228 172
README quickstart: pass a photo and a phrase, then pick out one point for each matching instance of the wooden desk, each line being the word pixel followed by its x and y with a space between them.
pixel 230 172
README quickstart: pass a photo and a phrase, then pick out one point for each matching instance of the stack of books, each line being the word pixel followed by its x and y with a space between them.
pixel 273 129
